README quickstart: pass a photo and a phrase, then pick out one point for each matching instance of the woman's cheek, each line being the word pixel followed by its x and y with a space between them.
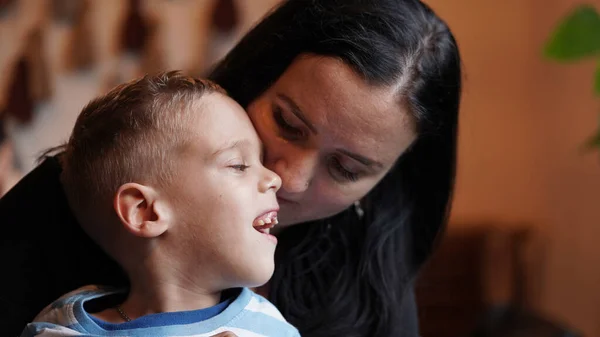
pixel 330 200
pixel 347 194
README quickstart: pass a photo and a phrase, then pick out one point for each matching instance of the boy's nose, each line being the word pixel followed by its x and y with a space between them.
pixel 271 181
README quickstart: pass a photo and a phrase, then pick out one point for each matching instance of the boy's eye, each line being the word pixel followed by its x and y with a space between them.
pixel 288 131
pixel 240 167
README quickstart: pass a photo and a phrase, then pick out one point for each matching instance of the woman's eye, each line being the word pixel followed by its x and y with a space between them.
pixel 240 167
pixel 341 173
pixel 287 129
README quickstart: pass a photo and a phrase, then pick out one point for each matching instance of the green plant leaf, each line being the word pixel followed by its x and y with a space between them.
pixel 597 79
pixel 577 36
pixel 594 141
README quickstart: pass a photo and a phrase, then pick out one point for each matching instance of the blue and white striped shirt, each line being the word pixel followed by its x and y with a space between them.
pixel 248 315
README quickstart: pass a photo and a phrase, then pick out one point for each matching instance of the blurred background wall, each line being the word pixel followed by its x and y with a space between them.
pixel 523 124
pixel 526 218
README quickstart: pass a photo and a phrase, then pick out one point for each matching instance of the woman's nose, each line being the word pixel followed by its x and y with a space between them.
pixel 297 170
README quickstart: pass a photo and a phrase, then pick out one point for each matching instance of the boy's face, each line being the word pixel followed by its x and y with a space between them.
pixel 219 194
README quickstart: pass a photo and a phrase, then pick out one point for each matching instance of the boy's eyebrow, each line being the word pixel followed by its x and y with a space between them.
pixel 230 146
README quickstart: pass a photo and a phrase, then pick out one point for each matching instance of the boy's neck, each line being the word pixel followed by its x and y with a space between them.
pixel 150 295
pixel 143 300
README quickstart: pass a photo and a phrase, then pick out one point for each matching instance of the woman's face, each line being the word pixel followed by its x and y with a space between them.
pixel 329 135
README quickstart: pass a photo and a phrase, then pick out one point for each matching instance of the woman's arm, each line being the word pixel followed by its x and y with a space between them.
pixel 43 251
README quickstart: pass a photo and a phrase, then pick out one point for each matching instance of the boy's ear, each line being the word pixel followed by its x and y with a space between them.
pixel 140 210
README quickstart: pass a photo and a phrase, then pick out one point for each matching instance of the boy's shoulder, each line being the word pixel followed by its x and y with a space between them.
pixel 60 318
pixel 69 301
pixel 261 316
pixel 259 304
pixel 248 314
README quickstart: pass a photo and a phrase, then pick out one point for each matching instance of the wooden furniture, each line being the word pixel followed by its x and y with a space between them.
pixel 474 268
pixel 483 281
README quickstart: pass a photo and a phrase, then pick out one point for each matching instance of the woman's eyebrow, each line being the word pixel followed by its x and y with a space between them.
pixel 361 159
pixel 296 111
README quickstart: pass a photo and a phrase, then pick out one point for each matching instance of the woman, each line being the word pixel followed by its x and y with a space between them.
pixel 356 103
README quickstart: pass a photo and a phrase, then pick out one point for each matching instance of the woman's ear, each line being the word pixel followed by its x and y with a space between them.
pixel 140 211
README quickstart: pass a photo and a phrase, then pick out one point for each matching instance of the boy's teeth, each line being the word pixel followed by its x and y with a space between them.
pixel 268 221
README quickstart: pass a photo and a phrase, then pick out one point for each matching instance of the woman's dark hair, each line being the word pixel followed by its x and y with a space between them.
pixel 347 275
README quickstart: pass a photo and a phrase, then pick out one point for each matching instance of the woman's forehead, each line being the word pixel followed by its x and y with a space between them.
pixel 346 109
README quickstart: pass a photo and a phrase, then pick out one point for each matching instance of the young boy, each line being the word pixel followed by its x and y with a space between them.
pixel 165 174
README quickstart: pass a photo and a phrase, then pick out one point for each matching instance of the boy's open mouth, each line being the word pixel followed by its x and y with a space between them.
pixel 265 222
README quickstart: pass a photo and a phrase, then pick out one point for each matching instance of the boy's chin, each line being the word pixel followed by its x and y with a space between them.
pixel 257 277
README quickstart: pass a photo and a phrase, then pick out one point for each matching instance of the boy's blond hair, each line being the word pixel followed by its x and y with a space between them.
pixel 128 135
